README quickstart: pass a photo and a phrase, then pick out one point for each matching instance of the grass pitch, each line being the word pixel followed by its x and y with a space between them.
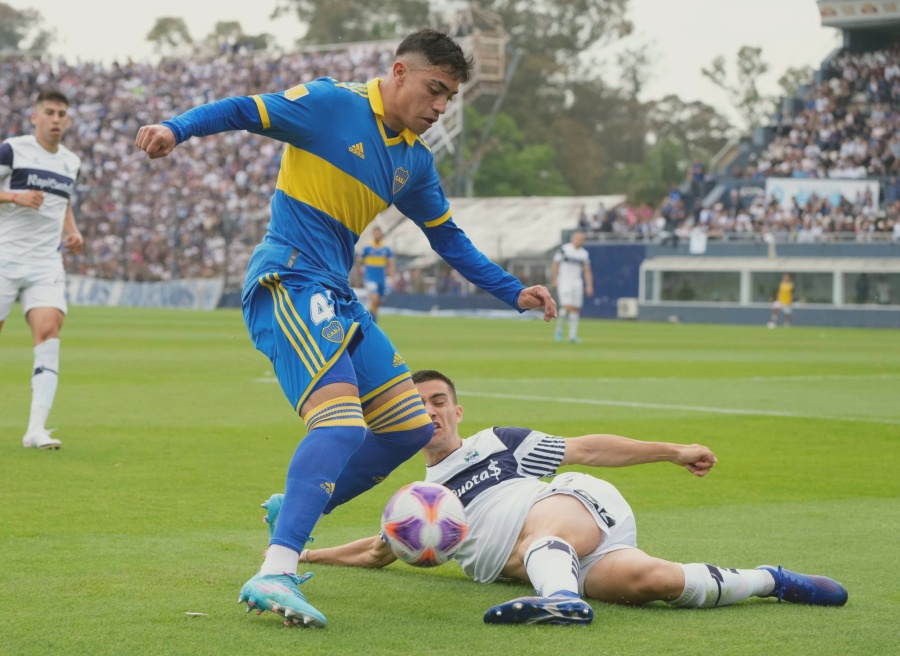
pixel 174 432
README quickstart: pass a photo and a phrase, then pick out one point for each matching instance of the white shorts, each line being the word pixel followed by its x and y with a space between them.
pixel 37 286
pixel 787 308
pixel 608 508
pixel 571 295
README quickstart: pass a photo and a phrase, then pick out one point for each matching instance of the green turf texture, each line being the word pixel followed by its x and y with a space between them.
pixel 173 434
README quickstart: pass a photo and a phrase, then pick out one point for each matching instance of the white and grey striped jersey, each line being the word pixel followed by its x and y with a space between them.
pixel 496 474
pixel 571 261
pixel 29 236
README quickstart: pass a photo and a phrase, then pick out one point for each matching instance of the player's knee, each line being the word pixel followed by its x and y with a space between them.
pixel 658 579
pixel 420 436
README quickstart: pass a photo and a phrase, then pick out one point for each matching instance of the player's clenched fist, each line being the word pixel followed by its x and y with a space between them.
pixel 33 199
pixel 155 140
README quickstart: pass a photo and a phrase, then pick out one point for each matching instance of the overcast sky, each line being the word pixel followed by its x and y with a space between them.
pixel 685 34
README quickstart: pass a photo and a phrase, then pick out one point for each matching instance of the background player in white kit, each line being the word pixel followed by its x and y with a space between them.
pixel 37 181
pixel 574 536
pixel 573 279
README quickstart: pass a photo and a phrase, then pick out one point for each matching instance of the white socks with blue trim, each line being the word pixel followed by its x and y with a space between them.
pixel 552 566
pixel 44 379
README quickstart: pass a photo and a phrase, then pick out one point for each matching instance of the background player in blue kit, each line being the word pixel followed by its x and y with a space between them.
pixel 352 149
pixel 378 263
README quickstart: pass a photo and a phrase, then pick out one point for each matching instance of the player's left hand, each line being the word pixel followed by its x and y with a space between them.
pixel 696 458
pixel 532 298
pixel 73 242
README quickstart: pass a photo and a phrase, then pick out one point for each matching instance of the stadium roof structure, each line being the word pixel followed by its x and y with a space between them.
pixel 502 228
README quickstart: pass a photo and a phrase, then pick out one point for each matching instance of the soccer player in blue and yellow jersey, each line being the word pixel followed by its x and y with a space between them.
pixel 352 149
pixel 378 262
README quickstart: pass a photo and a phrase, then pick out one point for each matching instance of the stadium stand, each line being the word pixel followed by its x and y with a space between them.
pixel 137 223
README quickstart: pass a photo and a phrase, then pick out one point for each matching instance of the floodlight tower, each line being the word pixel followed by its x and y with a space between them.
pixel 481 33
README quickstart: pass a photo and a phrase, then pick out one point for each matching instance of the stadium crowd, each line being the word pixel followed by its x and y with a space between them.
pixel 201 217
pixel 849 126
pixel 815 220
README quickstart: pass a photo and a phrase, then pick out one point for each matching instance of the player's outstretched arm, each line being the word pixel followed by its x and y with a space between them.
pixel 616 451
pixel 156 140
pixel 367 552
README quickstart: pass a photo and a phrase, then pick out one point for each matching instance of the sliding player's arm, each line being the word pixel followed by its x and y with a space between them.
pixel 367 552
pixel 616 451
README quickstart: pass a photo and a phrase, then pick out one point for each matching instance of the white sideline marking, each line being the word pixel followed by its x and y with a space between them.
pixel 749 379
pixel 672 379
pixel 687 408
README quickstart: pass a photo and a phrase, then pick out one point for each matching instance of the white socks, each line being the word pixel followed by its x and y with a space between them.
pixel 708 586
pixel 552 566
pixel 43 383
pixel 280 560
pixel 573 324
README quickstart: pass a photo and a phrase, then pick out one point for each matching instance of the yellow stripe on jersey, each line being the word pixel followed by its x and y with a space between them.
pixel 375 260
pixel 263 112
pixel 312 385
pixel 320 360
pixel 320 184
pixel 288 333
pixel 339 411
pixel 393 381
pixel 438 221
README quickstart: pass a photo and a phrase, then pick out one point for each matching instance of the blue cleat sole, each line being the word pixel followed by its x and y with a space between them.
pixel 541 610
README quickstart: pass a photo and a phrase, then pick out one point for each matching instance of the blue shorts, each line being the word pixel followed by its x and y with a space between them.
pixel 315 337
pixel 375 286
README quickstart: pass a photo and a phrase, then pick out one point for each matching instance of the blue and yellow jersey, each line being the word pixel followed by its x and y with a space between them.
pixel 375 258
pixel 339 170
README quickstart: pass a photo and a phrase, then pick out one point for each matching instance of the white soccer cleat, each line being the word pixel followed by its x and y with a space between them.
pixel 40 439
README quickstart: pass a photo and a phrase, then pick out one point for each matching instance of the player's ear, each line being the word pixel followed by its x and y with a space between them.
pixel 459 413
pixel 399 70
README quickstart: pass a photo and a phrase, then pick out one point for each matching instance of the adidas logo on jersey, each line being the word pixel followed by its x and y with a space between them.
pixel 357 149
pixel 398 360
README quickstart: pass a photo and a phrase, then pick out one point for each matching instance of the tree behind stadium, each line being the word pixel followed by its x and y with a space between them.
pixel 23 30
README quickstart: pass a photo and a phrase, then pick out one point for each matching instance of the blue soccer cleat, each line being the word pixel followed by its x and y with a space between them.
pixel 562 608
pixel 805 588
pixel 273 507
pixel 280 594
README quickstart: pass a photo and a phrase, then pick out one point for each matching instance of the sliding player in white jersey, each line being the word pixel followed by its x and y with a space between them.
pixel 570 538
pixel 573 279
pixel 37 180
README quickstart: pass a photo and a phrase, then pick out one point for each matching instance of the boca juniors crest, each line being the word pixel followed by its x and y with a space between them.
pixel 401 177
pixel 333 332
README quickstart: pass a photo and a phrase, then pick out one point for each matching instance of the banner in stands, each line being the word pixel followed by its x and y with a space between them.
pixel 784 189
pixel 187 294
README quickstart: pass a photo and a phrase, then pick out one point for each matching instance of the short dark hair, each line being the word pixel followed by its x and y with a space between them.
pixel 440 50
pixel 424 375
pixel 54 95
